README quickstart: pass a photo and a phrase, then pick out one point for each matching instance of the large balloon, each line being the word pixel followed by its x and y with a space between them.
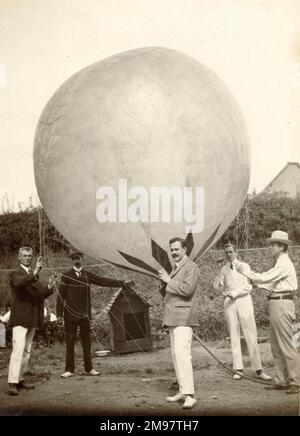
pixel 118 132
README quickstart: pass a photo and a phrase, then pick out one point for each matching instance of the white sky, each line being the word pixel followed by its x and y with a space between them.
pixel 253 45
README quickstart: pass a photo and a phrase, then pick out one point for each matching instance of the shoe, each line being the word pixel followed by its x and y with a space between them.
pixel 264 376
pixel 276 387
pixel 189 402
pixel 93 372
pixel 67 374
pixel 12 389
pixel 293 389
pixel 175 398
pixel 23 385
pixel 237 375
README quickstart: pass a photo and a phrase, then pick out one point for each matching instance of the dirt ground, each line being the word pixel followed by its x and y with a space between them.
pixel 137 384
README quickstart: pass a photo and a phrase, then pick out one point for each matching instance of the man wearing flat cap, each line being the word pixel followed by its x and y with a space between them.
pixel 74 308
pixel 281 283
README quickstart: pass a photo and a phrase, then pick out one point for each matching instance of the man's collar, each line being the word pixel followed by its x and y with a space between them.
pixel 231 261
pixel 25 268
pixel 181 261
pixel 78 270
pixel 282 254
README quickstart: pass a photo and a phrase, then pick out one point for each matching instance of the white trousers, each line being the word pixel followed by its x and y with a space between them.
pixel 21 347
pixel 181 349
pixel 240 315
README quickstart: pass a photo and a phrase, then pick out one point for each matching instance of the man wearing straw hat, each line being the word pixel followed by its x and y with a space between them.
pixel 281 282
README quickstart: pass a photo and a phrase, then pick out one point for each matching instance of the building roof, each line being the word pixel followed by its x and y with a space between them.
pixel 280 172
pixel 117 294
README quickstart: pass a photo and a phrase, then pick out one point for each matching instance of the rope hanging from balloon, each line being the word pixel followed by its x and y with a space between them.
pixel 160 255
pixel 43 250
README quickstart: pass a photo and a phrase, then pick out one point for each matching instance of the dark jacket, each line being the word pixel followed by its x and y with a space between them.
pixel 28 295
pixel 74 294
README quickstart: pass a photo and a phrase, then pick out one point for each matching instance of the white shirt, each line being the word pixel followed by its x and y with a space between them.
pixel 26 268
pixel 179 263
pixel 77 270
pixel 232 281
pixel 282 277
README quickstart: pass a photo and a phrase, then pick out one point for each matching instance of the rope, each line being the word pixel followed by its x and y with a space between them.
pixel 250 249
pixel 126 331
pixel 59 267
pixel 254 380
pixel 75 313
pixel 140 327
pixel 82 315
pixel 40 230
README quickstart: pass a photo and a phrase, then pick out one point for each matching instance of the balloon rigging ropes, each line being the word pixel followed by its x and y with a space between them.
pixel 44 251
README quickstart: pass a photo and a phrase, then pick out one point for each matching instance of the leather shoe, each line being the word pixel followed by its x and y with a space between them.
pixel 23 385
pixel 12 389
pixel 293 390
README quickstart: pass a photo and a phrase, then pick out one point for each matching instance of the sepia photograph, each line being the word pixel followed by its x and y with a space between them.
pixel 149 210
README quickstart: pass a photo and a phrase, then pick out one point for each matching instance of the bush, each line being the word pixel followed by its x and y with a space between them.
pixel 23 229
pixel 51 333
pixel 212 319
pixel 260 215
pixel 210 308
pixel 101 330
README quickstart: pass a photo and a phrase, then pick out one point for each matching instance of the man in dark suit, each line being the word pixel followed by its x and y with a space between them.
pixel 27 313
pixel 180 316
pixel 74 309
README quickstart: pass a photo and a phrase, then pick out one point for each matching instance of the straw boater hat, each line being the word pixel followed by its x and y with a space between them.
pixel 279 236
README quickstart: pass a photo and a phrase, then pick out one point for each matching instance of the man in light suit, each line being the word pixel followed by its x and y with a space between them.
pixel 281 283
pixel 180 316
pixel 239 313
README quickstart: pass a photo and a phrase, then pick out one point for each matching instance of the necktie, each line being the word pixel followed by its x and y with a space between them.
pixel 231 265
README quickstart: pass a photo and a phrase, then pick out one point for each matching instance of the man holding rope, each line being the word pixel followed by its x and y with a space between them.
pixel 26 314
pixel 74 309
pixel 281 283
pixel 180 316
pixel 239 313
